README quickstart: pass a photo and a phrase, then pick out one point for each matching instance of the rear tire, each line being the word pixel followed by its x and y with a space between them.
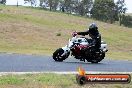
pixel 94 61
pixel 57 55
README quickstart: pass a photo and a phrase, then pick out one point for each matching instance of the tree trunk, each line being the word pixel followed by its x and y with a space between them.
pixel 120 19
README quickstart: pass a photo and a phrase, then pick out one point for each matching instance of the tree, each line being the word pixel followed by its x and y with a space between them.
pixel 68 5
pixel 104 10
pixel 126 20
pixel 41 2
pixel 55 4
pixel 121 9
pixel 87 4
pixel 76 7
pixel 50 2
pixel 2 1
pixel 33 2
pixel 71 6
pixel 81 9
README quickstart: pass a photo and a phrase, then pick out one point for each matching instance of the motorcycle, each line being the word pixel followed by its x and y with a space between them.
pixel 78 47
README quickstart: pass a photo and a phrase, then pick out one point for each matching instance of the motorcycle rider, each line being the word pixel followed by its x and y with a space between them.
pixel 95 41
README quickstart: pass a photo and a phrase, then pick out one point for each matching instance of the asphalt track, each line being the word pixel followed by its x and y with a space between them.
pixel 36 63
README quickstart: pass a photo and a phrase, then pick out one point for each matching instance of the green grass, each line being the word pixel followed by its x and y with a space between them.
pixel 12 80
pixel 35 31
pixel 54 79
pixel 50 81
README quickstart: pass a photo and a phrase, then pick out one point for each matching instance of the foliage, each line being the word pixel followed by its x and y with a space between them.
pixel 52 4
pixel 104 10
pixel 2 1
pixel 127 21
pixel 121 9
pixel 70 6
pixel 33 2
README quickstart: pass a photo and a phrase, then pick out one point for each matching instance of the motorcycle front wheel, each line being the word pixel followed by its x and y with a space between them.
pixel 57 55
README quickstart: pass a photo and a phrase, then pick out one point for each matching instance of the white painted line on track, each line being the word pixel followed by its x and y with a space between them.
pixel 71 72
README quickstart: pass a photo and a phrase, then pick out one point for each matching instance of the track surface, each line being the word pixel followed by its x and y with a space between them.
pixel 34 63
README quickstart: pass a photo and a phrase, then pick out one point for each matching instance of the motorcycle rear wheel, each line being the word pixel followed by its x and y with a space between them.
pixel 57 55
pixel 95 61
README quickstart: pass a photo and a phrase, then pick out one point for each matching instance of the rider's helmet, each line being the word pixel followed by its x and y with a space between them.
pixel 93 29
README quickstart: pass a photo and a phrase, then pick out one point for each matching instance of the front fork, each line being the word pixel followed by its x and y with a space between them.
pixel 66 51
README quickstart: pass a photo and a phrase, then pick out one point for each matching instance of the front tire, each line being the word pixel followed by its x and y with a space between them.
pixel 57 55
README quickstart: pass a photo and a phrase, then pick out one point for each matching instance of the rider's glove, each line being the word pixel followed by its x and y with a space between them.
pixel 74 34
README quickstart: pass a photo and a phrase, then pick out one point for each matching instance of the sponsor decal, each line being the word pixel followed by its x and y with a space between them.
pixel 83 78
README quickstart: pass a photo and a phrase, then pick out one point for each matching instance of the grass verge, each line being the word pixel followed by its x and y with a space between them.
pixel 50 81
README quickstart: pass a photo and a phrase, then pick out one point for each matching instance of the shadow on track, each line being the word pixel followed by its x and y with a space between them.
pixel 83 63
